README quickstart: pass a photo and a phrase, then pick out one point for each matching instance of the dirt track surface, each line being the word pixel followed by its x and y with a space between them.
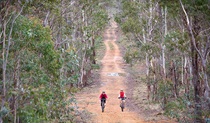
pixel 112 79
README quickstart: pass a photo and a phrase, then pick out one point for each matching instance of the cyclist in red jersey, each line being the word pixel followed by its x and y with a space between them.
pixel 122 95
pixel 103 97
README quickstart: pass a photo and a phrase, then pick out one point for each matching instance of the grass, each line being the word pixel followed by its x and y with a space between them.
pixel 100 51
pixel 111 46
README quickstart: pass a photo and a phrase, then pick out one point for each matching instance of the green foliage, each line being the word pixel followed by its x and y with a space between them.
pixel 95 66
pixel 33 39
pixel 177 40
pixel 130 9
pixel 159 29
pixel 45 71
pixel 180 108
pixel 70 62
pixel 173 6
pixel 176 108
pixel 130 55
pixel 131 25
pixel 128 19
pixel 118 18
pixel 150 49
pixel 100 18
pixel 194 8
pixel 41 96
pixel 165 89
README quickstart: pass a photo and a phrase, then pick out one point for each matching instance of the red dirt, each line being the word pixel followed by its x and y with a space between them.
pixel 112 79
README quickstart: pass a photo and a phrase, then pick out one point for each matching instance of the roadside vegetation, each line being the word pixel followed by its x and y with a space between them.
pixel 48 49
pixel 172 38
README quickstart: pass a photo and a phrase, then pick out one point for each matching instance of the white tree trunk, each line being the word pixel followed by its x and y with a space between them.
pixel 163 46
pixel 203 55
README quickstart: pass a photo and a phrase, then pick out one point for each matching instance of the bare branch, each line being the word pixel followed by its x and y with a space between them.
pixel 207 49
pixel 46 19
pixel 190 29
pixel 63 41
pixel 188 22
pixel 10 33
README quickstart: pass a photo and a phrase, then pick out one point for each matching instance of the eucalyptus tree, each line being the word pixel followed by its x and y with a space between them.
pixel 195 22
pixel 31 88
pixel 95 18
pixel 165 29
pixel 45 46
pixel 198 30
pixel 9 14
pixel 30 70
pixel 74 29
pixel 139 20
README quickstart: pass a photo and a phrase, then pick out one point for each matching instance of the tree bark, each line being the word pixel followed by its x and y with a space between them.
pixel 6 45
pixel 93 50
pixel 162 44
pixel 174 79
pixel 186 80
pixel 197 88
pixel 195 68
pixel 15 86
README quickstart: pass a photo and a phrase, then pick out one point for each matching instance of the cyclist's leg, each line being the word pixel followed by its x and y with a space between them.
pixel 104 101
pixel 123 100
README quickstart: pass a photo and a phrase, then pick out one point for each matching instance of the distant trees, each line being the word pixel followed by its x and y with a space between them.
pixel 48 47
pixel 174 38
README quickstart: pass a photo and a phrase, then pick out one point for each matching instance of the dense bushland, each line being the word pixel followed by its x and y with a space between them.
pixel 172 37
pixel 47 51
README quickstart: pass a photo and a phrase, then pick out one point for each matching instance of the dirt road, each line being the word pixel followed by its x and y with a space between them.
pixel 112 79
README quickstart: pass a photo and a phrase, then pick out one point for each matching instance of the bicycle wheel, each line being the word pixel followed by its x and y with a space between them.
pixel 122 106
pixel 102 106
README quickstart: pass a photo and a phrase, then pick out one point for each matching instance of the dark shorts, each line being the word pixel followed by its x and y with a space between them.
pixel 103 100
pixel 122 98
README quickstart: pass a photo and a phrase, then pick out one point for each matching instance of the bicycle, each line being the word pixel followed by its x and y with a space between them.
pixel 122 103
pixel 103 104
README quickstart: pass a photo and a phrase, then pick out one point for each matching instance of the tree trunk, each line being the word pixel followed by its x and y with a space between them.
pixel 195 68
pixel 155 80
pixel 185 79
pixel 175 80
pixel 93 49
pixel 163 46
pixel 206 85
pixel 15 86
pixel 82 70
pixel 6 45
pixel 3 98
pixel 197 88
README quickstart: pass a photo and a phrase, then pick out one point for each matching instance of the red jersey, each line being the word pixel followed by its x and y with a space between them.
pixel 103 96
pixel 122 94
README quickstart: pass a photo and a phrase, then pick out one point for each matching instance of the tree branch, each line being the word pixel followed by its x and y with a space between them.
pixel 10 33
pixel 190 29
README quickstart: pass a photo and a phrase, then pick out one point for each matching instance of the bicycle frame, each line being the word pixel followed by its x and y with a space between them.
pixel 103 104
pixel 122 104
